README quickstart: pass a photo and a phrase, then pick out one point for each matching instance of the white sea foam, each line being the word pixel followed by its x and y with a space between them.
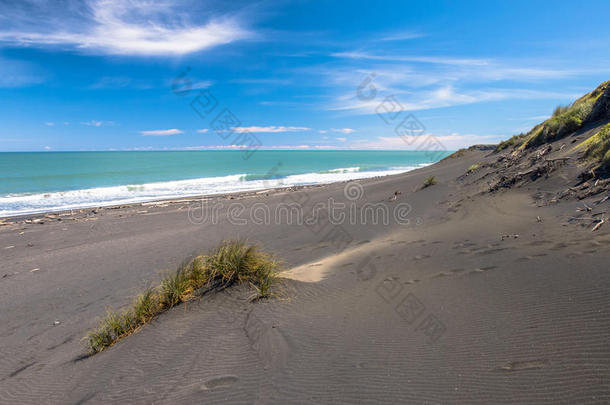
pixel 11 205
pixel 344 170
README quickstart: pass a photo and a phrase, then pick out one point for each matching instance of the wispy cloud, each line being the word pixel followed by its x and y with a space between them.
pixel 450 142
pixel 16 73
pixel 402 36
pixel 421 59
pixel 202 131
pixel 270 129
pixel 444 96
pixel 96 123
pixel 161 132
pixel 111 82
pixel 341 139
pixel 200 85
pixel 343 130
pixel 136 27
pixel 49 124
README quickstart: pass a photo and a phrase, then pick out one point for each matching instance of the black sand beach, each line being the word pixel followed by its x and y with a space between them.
pixel 483 297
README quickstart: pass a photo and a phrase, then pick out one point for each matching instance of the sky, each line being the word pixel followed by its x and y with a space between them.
pixel 188 75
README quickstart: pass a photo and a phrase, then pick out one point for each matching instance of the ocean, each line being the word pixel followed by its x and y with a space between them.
pixel 34 182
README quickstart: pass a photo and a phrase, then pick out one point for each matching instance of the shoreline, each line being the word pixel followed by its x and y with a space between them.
pixel 186 198
pixel 49 188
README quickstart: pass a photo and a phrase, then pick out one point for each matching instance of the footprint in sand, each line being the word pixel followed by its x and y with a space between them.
pixel 540 242
pixel 457 270
pixel 490 251
pixel 524 365
pixel 224 381
pixel 483 269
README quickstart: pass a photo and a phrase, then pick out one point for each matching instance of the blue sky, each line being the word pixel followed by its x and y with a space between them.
pixel 121 75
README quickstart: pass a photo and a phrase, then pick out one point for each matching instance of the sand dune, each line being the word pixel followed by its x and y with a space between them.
pixel 481 298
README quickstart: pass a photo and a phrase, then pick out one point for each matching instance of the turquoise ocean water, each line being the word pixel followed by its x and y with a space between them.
pixel 33 182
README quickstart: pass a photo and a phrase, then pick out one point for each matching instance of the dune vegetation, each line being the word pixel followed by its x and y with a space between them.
pixel 230 263
pixel 430 181
pixel 564 121
pixel 473 168
pixel 597 147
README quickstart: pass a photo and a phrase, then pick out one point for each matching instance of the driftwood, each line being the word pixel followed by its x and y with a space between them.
pixel 599 224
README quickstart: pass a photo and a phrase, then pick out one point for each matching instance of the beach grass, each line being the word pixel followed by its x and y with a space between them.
pixel 597 147
pixel 473 167
pixel 230 263
pixel 563 121
pixel 430 181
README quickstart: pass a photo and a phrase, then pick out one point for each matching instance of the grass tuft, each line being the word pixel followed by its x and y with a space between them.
pixel 564 121
pixel 146 306
pixel 430 181
pixel 230 263
pixel 597 147
pixel 473 167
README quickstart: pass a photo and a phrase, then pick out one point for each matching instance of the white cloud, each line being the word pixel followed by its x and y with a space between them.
pixel 17 73
pixel 49 124
pixel 444 96
pixel 425 82
pixel 96 123
pixel 341 139
pixel 270 129
pixel 47 148
pixel 111 82
pixel 427 141
pixel 136 27
pixel 322 131
pixel 402 36
pixel 420 59
pixel 343 130
pixel 161 132
pixel 202 131
pixel 93 123
pixel 203 84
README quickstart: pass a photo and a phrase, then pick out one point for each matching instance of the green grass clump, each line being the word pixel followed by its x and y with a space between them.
pixel 230 263
pixel 560 109
pixel 515 140
pixel 146 306
pixel 597 147
pixel 456 154
pixel 430 181
pixel 564 121
pixel 473 167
